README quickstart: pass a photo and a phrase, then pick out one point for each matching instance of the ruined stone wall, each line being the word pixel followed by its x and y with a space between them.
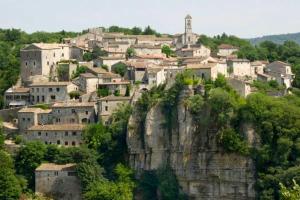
pixel 203 169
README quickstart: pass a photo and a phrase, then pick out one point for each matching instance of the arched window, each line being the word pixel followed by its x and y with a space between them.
pixel 84 120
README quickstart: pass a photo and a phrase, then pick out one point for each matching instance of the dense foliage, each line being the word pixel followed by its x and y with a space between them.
pixel 133 31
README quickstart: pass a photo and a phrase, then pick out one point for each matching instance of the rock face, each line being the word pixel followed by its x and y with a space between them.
pixel 204 171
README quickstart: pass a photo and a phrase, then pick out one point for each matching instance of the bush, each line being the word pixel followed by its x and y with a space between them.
pixel 74 95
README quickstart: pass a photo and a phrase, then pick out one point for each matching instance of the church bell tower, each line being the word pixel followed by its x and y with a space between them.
pixel 188 35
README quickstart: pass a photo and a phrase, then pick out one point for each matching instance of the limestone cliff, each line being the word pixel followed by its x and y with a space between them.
pixel 202 168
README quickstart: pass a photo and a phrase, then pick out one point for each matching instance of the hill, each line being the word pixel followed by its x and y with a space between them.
pixel 278 39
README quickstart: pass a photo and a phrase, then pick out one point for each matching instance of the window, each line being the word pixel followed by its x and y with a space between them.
pixel 39 133
pixel 46 134
pixel 86 112
pixel 26 63
pixel 46 142
pixel 53 97
pixel 38 98
pixel 72 120
pixel 53 54
pixel 32 89
pixel 28 119
pixel 37 89
pixel 34 63
pixel 74 133
pixel 43 98
pixel 71 173
pixel 106 108
pixel 58 142
pixel 50 89
pixel 66 143
pixel 73 143
pixel 57 89
pixel 24 119
pixel 73 111
pixel 55 173
pixel 66 133
pixel 62 55
pixel 47 62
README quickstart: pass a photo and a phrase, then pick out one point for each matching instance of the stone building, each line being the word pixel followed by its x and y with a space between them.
pixel 207 71
pixel 225 50
pixel 155 76
pixel 74 113
pixel 108 61
pixel 28 117
pixel 188 37
pixel 146 49
pixel 50 92
pixel 242 87
pixel 41 59
pixel 193 51
pixel 107 105
pixel 16 96
pixel 239 67
pixel 282 73
pixel 58 181
pixel 66 135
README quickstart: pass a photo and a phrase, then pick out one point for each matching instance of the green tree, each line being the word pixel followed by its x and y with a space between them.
pixel 130 52
pixel 290 194
pixel 120 68
pixel 167 50
pixel 149 31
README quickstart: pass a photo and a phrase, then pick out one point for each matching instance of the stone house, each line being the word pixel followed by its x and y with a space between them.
pixel 28 117
pixel 242 87
pixel 239 67
pixel 68 68
pixel 137 70
pixel 155 76
pixel 74 113
pixel 107 105
pixel 264 77
pixel 222 67
pixel 77 52
pixel 58 181
pixel 184 61
pixel 16 96
pixel 258 67
pixel 153 58
pixel 146 49
pixel 207 71
pixel 108 61
pixel 113 87
pixel 41 59
pixel 193 51
pixel 66 135
pixel 87 82
pixel 282 73
pixel 50 92
pixel 225 50
pixel 188 37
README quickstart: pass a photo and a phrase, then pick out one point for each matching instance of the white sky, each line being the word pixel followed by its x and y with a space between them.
pixel 244 18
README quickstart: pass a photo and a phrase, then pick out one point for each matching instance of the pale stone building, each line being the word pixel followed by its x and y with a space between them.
pixel 137 70
pixel 239 67
pixel 282 73
pixel 58 181
pixel 207 71
pixel 155 76
pixel 146 49
pixel 74 113
pixel 16 96
pixel 50 92
pixel 108 61
pixel 66 135
pixel 188 37
pixel 41 58
pixel 242 87
pixel 225 50
pixel 28 117
pixel 193 51
pixel 107 105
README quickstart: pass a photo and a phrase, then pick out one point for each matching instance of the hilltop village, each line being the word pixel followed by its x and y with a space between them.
pixel 64 87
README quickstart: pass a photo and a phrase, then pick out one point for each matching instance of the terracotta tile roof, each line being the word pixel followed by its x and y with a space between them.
pixel 49 45
pixel 145 46
pixel 112 58
pixel 50 84
pixel 115 98
pixel 96 70
pixel 201 66
pixel 88 75
pixel 34 110
pixel 18 90
pixel 110 75
pixel 58 127
pixel 56 167
pixel 137 64
pixel 73 104
pixel 152 56
pixel 239 60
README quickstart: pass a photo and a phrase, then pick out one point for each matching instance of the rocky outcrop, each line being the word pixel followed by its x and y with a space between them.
pixel 204 171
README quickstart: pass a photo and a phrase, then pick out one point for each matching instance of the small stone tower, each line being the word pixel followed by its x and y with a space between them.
pixel 188 24
pixel 188 35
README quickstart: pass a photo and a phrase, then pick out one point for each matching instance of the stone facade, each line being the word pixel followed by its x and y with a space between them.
pixel 107 105
pixel 194 51
pixel 58 181
pixel 225 50
pixel 239 67
pixel 282 73
pixel 74 113
pixel 66 135
pixel 242 87
pixel 207 71
pixel 16 96
pixel 41 59
pixel 50 92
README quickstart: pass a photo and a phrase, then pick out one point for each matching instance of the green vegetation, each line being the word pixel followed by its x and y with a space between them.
pixel 290 194
pixel 267 87
pixel 103 92
pixel 79 70
pixel 278 39
pixel 96 53
pixel 130 52
pixel 42 106
pixel 74 95
pixel 63 72
pixel 133 31
pixel 167 50
pixel 120 68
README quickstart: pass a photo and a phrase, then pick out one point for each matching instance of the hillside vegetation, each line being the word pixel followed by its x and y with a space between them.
pixel 278 39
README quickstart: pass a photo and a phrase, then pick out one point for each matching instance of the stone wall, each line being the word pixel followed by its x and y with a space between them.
pixel 204 170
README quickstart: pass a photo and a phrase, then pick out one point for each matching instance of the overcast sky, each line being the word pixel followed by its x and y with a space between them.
pixel 244 18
